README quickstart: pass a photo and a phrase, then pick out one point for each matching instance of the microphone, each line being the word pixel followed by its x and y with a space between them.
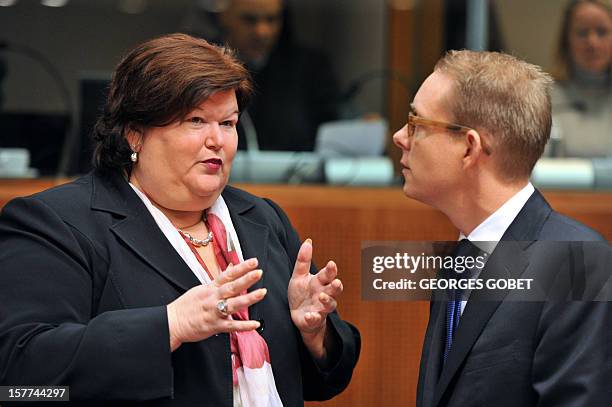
pixel 579 105
pixel 250 133
pixel 570 105
pixel 54 72
pixel 356 85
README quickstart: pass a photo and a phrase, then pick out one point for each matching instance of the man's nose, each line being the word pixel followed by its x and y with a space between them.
pixel 400 138
pixel 264 29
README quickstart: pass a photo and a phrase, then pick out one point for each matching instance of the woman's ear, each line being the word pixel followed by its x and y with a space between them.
pixel 134 138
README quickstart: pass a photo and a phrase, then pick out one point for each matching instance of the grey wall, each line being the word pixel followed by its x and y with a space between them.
pixel 85 36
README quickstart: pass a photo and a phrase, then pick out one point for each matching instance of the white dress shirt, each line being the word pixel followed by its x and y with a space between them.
pixel 491 230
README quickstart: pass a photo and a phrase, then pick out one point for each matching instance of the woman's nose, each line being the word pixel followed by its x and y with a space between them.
pixel 214 138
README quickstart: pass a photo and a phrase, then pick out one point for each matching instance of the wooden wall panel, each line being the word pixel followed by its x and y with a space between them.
pixel 415 43
pixel 402 18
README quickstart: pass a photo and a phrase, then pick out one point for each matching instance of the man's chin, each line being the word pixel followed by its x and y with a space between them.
pixel 408 190
pixel 413 193
pixel 257 59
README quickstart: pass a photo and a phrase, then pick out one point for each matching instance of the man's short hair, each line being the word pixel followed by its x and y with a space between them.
pixel 506 99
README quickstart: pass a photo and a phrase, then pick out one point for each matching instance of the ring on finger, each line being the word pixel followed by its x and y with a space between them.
pixel 223 308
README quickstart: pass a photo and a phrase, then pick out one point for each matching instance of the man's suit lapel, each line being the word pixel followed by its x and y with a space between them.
pixel 508 260
pixel 253 238
pixel 139 231
pixel 431 364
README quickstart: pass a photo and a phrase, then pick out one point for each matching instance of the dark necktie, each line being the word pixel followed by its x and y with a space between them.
pixel 453 307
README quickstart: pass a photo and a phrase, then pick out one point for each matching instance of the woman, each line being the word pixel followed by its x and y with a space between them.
pixel 582 97
pixel 143 280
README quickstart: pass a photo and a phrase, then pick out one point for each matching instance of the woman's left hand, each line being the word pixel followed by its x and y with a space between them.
pixel 311 298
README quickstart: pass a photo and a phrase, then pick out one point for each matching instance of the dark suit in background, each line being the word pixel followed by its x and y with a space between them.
pixel 85 277
pixel 295 92
pixel 296 88
pixel 513 353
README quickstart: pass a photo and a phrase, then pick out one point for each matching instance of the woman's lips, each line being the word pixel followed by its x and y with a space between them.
pixel 213 164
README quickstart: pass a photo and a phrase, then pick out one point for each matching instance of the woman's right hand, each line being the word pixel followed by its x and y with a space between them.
pixel 194 315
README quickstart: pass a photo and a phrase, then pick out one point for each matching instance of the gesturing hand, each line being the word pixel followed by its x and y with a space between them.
pixel 311 298
pixel 194 315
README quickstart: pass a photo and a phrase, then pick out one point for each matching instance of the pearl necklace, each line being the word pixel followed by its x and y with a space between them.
pixel 199 242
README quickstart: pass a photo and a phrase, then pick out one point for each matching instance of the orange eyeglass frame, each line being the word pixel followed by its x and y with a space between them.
pixel 414 120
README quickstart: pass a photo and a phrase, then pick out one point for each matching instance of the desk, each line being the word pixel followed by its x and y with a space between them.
pixel 338 219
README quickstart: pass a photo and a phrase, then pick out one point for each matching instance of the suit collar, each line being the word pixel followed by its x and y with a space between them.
pixel 528 223
pixel 431 360
pixel 236 200
pixel 252 234
pixel 495 225
pixel 137 229
pixel 509 260
pixel 111 193
pixel 253 237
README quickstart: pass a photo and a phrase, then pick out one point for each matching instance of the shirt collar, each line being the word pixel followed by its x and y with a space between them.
pixel 494 227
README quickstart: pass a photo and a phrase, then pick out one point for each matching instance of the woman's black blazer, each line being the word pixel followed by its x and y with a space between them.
pixel 85 277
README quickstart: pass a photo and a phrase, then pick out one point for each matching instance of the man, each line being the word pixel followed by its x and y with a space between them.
pixel 253 27
pixel 296 90
pixel 480 122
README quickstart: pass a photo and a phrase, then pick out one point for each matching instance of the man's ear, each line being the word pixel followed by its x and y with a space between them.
pixel 474 148
pixel 134 138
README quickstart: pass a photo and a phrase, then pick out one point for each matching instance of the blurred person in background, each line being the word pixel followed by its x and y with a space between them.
pixel 295 87
pixel 582 95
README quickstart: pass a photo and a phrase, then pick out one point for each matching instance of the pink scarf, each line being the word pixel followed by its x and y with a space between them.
pixel 251 368
pixel 250 348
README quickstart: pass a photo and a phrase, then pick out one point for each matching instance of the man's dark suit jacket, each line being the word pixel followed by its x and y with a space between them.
pixel 85 277
pixel 513 353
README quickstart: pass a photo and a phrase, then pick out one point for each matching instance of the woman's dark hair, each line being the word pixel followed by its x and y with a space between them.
pixel 158 83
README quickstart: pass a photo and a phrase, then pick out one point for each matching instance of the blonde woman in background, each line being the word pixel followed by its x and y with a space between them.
pixel 582 96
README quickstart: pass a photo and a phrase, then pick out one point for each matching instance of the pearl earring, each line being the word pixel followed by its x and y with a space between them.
pixel 134 157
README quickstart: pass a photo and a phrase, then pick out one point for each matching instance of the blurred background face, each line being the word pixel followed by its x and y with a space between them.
pixel 590 38
pixel 253 27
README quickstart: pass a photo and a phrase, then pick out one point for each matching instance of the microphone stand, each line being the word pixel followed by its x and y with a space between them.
pixel 355 87
pixel 53 71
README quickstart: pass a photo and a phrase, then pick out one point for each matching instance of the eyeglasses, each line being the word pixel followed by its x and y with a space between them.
pixel 414 120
